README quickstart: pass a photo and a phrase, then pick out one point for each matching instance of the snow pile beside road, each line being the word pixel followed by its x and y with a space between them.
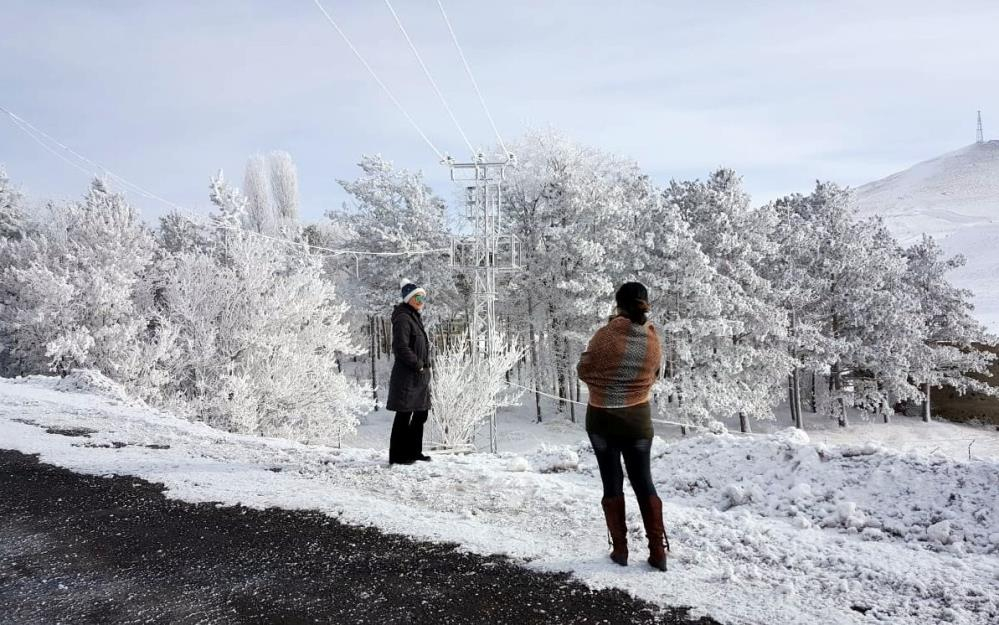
pixel 764 529
pixel 866 490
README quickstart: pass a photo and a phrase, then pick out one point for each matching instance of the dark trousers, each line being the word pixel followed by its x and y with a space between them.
pixel 407 436
pixel 636 454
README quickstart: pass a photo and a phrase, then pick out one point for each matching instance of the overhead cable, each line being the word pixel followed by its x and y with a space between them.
pixel 378 80
pixel 430 78
pixel 471 77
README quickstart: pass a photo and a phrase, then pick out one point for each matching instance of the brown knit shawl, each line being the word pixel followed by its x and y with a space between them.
pixel 619 365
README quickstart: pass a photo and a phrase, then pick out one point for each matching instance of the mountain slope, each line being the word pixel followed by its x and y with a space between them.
pixel 954 198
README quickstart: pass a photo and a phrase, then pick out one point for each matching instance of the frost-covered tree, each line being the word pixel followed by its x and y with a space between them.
pixel 466 391
pixel 260 332
pixel 573 209
pixel 284 186
pixel 855 318
pixel 270 186
pixel 393 212
pixel 230 202
pixel 687 311
pixel 260 213
pixel 177 233
pixel 71 300
pixel 11 212
pixel 949 352
pixel 751 362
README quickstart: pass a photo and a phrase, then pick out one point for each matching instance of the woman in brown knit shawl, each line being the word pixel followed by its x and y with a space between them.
pixel 619 367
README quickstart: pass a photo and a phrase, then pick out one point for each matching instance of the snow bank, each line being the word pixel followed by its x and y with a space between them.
pixel 867 490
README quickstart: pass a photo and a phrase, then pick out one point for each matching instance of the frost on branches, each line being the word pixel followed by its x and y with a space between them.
pixel 394 212
pixel 70 297
pixel 260 331
pixel 11 217
pixel 572 208
pixel 465 391
pixel 743 359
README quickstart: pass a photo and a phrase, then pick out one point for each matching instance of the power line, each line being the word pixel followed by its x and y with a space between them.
pixel 378 80
pixel 48 148
pixel 24 125
pixel 426 72
pixel 471 77
pixel 37 135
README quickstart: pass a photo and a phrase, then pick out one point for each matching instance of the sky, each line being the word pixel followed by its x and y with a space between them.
pixel 167 93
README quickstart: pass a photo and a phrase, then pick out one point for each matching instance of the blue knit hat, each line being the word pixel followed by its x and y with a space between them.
pixel 409 289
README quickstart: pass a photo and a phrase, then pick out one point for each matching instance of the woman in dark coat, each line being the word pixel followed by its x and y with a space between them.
pixel 409 385
pixel 619 367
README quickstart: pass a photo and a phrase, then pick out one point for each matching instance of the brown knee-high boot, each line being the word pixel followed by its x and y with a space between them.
pixel 655 530
pixel 617 528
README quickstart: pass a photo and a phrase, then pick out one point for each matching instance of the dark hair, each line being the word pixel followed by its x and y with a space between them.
pixel 633 302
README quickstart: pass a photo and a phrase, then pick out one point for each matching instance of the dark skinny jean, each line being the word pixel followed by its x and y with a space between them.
pixel 636 453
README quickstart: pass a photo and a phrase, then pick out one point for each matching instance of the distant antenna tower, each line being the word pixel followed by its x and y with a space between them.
pixel 980 137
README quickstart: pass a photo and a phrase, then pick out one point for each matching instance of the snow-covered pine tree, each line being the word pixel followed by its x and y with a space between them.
pixel 753 361
pixel 687 312
pixel 11 212
pixel 951 335
pixel 71 300
pixel 393 211
pixel 856 323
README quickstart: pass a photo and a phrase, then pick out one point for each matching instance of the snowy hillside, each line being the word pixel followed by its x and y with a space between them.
pixel 765 529
pixel 954 198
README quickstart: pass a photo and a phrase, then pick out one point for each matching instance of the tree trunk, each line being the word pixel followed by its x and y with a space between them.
pixel 562 385
pixel 371 356
pixel 813 402
pixel 790 396
pixel 796 398
pixel 568 379
pixel 534 356
pixel 572 403
pixel 927 416
pixel 836 385
pixel 743 423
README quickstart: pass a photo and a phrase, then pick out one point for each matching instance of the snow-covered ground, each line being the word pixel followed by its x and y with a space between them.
pixel 765 529
pixel 954 198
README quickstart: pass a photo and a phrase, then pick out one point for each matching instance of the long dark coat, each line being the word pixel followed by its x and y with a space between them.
pixel 409 385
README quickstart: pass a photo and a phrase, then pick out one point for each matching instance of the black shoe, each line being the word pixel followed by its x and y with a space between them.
pixel 406 461
pixel 423 458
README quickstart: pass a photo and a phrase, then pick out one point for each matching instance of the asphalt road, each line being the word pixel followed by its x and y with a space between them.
pixel 87 549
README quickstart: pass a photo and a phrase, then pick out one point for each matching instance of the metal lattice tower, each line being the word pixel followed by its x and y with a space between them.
pixel 484 254
pixel 980 137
